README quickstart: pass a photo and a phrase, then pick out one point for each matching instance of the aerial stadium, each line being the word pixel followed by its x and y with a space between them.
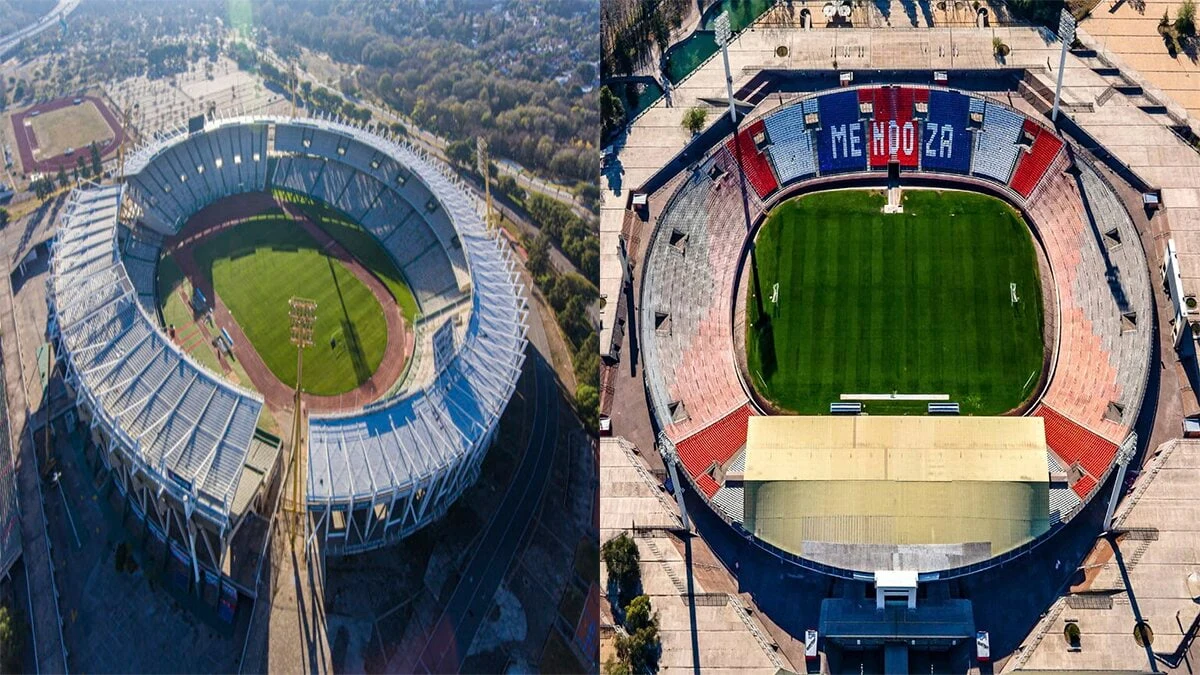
pixel 840 146
pixel 891 335
pixel 402 411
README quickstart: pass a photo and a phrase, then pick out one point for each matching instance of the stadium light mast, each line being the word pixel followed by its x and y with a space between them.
pixel 724 35
pixel 1066 32
pixel 303 314
pixel 126 116
pixel 1124 455
pixel 482 165
pixel 295 85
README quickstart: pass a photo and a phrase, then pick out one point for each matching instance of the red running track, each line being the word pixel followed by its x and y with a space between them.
pixel 26 141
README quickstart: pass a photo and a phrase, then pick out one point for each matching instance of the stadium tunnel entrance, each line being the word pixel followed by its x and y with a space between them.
pixel 892 623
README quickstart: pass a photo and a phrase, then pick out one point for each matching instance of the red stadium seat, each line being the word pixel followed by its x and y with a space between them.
pixel 717 442
pixel 1075 443
pixel 1032 165
pixel 757 168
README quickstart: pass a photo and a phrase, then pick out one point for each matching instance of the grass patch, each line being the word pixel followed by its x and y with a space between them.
pixel 74 126
pixel 361 244
pixel 914 303
pixel 256 266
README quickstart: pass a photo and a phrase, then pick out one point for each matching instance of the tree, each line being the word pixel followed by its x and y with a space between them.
pixel 620 554
pixel 1185 19
pixel 639 614
pixel 640 649
pixel 384 86
pixel 4 216
pixel 63 181
pixel 461 152
pixel 538 251
pixel 694 119
pixel 97 165
pixel 612 111
pixel 82 167
pixel 614 667
pixel 1044 12
pixel 587 399
pixel 42 187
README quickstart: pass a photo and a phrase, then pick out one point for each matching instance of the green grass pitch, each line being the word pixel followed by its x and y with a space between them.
pixel 257 266
pixel 915 303
pixel 361 244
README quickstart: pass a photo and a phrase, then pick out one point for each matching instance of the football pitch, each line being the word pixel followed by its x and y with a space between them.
pixel 911 303
pixel 256 266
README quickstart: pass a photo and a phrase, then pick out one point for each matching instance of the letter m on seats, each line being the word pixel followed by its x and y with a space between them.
pixel 838 137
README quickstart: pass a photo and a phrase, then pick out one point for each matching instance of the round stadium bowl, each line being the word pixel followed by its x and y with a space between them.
pixel 182 442
pixel 693 306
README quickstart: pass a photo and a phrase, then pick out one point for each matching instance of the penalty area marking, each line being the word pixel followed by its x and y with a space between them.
pixel 895 397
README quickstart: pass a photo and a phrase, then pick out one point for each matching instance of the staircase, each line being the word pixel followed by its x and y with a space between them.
pixel 675 580
pixel 1118 83
pixel 1041 94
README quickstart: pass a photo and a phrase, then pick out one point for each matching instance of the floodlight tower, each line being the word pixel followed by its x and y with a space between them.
pixel 1124 455
pixel 483 166
pixel 303 315
pixel 126 116
pixel 1066 32
pixel 295 85
pixel 723 36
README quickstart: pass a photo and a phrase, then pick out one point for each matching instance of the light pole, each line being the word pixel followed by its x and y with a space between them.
pixel 1124 454
pixel 723 36
pixel 303 315
pixel 1066 32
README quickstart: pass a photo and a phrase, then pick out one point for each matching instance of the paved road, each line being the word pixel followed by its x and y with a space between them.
pixel 10 42
pixel 49 650
pixel 453 632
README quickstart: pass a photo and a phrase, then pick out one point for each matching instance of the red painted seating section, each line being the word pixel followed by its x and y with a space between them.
pixel 1032 165
pixel 717 442
pixel 758 169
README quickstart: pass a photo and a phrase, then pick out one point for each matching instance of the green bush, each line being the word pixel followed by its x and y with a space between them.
pixel 694 119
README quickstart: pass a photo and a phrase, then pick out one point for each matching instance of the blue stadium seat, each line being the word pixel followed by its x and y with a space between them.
pixel 791 146
pixel 996 150
pixel 946 142
pixel 841 140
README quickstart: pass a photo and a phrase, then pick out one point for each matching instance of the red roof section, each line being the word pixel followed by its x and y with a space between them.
pixel 717 442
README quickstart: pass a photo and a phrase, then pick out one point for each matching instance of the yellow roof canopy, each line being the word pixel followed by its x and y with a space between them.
pixel 895 482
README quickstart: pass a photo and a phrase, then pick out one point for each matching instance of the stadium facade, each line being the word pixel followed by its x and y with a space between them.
pixel 692 311
pixel 182 442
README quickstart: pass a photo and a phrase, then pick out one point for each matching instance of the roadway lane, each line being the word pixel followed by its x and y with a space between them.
pixel 454 630
pixel 10 42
